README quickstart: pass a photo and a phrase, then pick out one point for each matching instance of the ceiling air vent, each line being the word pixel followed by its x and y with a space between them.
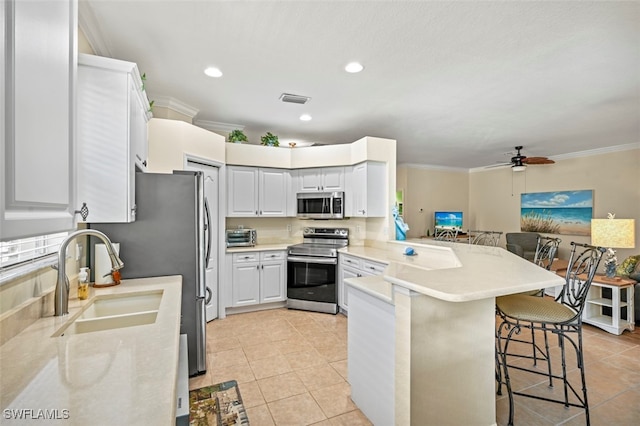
pixel 294 99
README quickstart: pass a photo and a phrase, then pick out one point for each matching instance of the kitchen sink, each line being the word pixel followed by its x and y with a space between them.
pixel 122 305
pixel 115 311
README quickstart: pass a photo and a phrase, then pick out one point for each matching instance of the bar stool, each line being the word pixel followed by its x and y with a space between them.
pixel 546 250
pixel 446 234
pixel 562 317
pixel 484 238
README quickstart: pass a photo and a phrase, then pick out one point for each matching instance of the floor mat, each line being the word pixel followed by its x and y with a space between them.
pixel 219 404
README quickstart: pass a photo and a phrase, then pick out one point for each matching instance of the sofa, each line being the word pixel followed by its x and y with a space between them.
pixel 523 244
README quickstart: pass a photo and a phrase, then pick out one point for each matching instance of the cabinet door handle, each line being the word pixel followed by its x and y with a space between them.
pixel 84 211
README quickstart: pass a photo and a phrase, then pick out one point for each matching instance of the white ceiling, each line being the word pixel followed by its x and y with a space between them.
pixel 457 84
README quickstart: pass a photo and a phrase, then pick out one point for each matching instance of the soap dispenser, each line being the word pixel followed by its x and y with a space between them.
pixel 83 284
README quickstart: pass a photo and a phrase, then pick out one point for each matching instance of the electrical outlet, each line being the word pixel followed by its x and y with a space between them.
pixel 289 227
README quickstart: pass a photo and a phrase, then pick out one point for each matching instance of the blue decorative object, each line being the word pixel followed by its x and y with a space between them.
pixel 610 270
pixel 409 251
pixel 401 227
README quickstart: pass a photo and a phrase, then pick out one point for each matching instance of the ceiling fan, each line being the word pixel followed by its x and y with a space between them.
pixel 520 162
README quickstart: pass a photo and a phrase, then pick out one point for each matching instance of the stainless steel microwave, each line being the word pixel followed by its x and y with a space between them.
pixel 320 205
pixel 241 237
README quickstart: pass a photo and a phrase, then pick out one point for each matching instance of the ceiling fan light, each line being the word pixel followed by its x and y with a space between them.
pixel 519 168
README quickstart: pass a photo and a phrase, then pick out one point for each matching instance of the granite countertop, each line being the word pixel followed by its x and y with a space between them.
pixel 454 272
pixel 119 376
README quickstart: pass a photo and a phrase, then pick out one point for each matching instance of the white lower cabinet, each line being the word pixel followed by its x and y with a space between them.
pixel 354 267
pixel 258 277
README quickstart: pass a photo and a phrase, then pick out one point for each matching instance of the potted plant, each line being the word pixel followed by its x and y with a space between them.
pixel 269 139
pixel 237 136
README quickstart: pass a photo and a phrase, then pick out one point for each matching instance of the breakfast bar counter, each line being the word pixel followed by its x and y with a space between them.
pixel 441 302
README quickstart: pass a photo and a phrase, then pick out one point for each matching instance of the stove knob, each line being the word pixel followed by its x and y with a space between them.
pixel 308 230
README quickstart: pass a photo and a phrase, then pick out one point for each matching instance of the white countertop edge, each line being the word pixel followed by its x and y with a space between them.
pixel 469 296
pixel 482 272
pixel 374 286
pixel 259 247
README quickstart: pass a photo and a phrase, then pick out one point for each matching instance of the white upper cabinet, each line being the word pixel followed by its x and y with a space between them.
pixel 366 195
pixel 272 192
pixel 37 76
pixel 112 116
pixel 242 191
pixel 257 192
pixel 325 179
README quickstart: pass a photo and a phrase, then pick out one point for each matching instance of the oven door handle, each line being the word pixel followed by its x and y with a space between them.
pixel 323 260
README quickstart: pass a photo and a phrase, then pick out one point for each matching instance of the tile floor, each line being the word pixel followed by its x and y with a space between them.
pixel 291 367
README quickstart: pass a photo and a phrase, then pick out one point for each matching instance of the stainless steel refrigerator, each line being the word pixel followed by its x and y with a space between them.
pixel 169 237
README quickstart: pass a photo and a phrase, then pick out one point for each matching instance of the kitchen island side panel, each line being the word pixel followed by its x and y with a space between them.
pixel 371 355
pixel 445 361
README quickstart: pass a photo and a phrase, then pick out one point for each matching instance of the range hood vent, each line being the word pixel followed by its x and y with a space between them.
pixel 294 99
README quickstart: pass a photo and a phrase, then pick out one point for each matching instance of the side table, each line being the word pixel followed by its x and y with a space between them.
pixel 615 323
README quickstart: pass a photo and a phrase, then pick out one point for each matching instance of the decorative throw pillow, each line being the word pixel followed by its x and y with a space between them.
pixel 629 264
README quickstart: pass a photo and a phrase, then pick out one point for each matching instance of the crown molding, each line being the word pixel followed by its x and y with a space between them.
pixel 91 28
pixel 174 104
pixel 215 126
pixel 597 151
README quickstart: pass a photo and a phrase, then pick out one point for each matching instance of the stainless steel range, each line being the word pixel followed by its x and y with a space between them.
pixel 312 270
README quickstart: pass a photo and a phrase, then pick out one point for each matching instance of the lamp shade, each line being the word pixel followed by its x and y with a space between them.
pixel 613 233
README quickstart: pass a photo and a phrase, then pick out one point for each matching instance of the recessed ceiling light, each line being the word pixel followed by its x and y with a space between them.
pixel 305 117
pixel 353 67
pixel 213 72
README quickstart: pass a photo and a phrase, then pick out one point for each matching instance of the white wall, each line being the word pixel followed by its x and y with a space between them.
pixel 427 190
pixel 490 199
pixel 494 196
pixel 170 140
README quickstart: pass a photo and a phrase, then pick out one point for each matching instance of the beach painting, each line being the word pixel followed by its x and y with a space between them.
pixel 560 212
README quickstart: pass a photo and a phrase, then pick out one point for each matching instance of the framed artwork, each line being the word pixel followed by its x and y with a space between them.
pixel 560 212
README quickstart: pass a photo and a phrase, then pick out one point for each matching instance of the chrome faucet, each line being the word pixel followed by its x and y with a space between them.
pixel 61 301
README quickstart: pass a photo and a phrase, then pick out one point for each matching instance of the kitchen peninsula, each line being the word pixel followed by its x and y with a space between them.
pixel 436 311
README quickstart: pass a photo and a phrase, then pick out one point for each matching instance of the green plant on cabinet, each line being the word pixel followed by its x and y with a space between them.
pixel 269 139
pixel 237 136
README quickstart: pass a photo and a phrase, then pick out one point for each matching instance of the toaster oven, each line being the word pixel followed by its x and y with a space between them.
pixel 241 237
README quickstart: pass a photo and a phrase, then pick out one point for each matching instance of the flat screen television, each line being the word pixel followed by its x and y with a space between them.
pixel 448 220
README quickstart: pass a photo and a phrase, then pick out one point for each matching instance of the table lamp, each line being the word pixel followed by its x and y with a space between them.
pixel 612 233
